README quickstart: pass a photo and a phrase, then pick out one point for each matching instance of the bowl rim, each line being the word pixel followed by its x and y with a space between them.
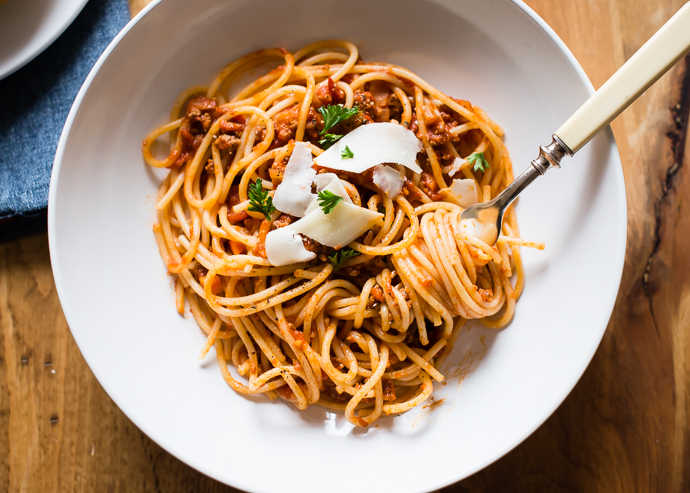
pixel 77 7
pixel 198 465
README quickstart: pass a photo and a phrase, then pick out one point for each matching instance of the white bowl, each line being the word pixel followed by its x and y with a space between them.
pixel 27 27
pixel 119 302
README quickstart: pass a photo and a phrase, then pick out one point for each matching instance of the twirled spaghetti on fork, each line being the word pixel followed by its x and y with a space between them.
pixel 312 223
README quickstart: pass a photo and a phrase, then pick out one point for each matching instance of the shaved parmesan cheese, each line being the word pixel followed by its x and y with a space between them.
pixel 323 180
pixel 465 192
pixel 373 144
pixel 389 180
pixel 284 247
pixel 482 231
pixel 344 224
pixel 293 195
pixel 468 226
pixel 455 166
pixel 330 184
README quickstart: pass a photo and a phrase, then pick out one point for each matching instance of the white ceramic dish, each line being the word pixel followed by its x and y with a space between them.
pixel 118 299
pixel 27 27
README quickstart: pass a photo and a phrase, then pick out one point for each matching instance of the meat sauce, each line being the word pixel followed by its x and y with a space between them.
pixel 375 103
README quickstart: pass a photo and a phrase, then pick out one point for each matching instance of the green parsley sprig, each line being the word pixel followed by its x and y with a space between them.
pixel 328 201
pixel 341 256
pixel 347 153
pixel 334 114
pixel 259 200
pixel 478 160
pixel 328 140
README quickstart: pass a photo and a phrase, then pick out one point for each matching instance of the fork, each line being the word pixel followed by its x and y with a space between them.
pixel 668 45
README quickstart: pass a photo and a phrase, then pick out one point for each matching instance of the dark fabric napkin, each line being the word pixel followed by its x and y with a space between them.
pixel 34 103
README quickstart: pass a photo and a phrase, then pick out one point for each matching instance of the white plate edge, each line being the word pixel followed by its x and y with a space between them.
pixel 621 200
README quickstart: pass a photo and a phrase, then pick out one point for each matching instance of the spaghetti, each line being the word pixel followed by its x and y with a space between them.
pixel 361 328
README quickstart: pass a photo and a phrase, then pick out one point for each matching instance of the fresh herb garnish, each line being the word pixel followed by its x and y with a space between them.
pixel 329 140
pixel 259 200
pixel 478 160
pixel 347 153
pixel 334 114
pixel 328 201
pixel 341 256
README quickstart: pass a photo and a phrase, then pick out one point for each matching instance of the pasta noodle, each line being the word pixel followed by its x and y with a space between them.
pixel 359 329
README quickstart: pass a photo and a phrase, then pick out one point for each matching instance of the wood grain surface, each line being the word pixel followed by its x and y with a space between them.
pixel 625 427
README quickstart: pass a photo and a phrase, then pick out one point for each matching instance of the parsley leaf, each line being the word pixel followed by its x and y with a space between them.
pixel 347 153
pixel 329 140
pixel 259 200
pixel 479 161
pixel 328 201
pixel 341 256
pixel 334 114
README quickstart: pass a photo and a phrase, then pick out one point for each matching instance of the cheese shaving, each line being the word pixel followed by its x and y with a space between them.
pixel 373 144
pixel 456 166
pixel 465 192
pixel 293 196
pixel 285 247
pixel 330 183
pixel 344 224
pixel 389 180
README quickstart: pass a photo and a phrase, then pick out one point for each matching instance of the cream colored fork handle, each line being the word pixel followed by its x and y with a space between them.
pixel 656 56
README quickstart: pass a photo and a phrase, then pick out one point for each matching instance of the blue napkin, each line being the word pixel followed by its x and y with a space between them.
pixel 34 102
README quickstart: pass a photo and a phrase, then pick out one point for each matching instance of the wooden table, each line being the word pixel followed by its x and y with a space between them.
pixel 625 427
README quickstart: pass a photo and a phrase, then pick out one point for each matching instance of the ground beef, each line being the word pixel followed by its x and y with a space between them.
pixel 411 191
pixel 327 94
pixel 311 245
pixel 388 390
pixel 486 294
pixel 414 124
pixel 199 271
pixel 227 143
pixel 450 117
pixel 445 154
pixel 286 123
pixel 429 186
pixel 201 103
pixel 199 113
pixel 260 133
pixel 365 102
pixel 283 220
pixel 437 132
pixel 322 252
pixel 351 271
pixel 276 172
pixel 395 108
pixel 190 143
pixel 381 95
pixel 404 293
pixel 231 127
pixel 314 124
pixel 233 200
